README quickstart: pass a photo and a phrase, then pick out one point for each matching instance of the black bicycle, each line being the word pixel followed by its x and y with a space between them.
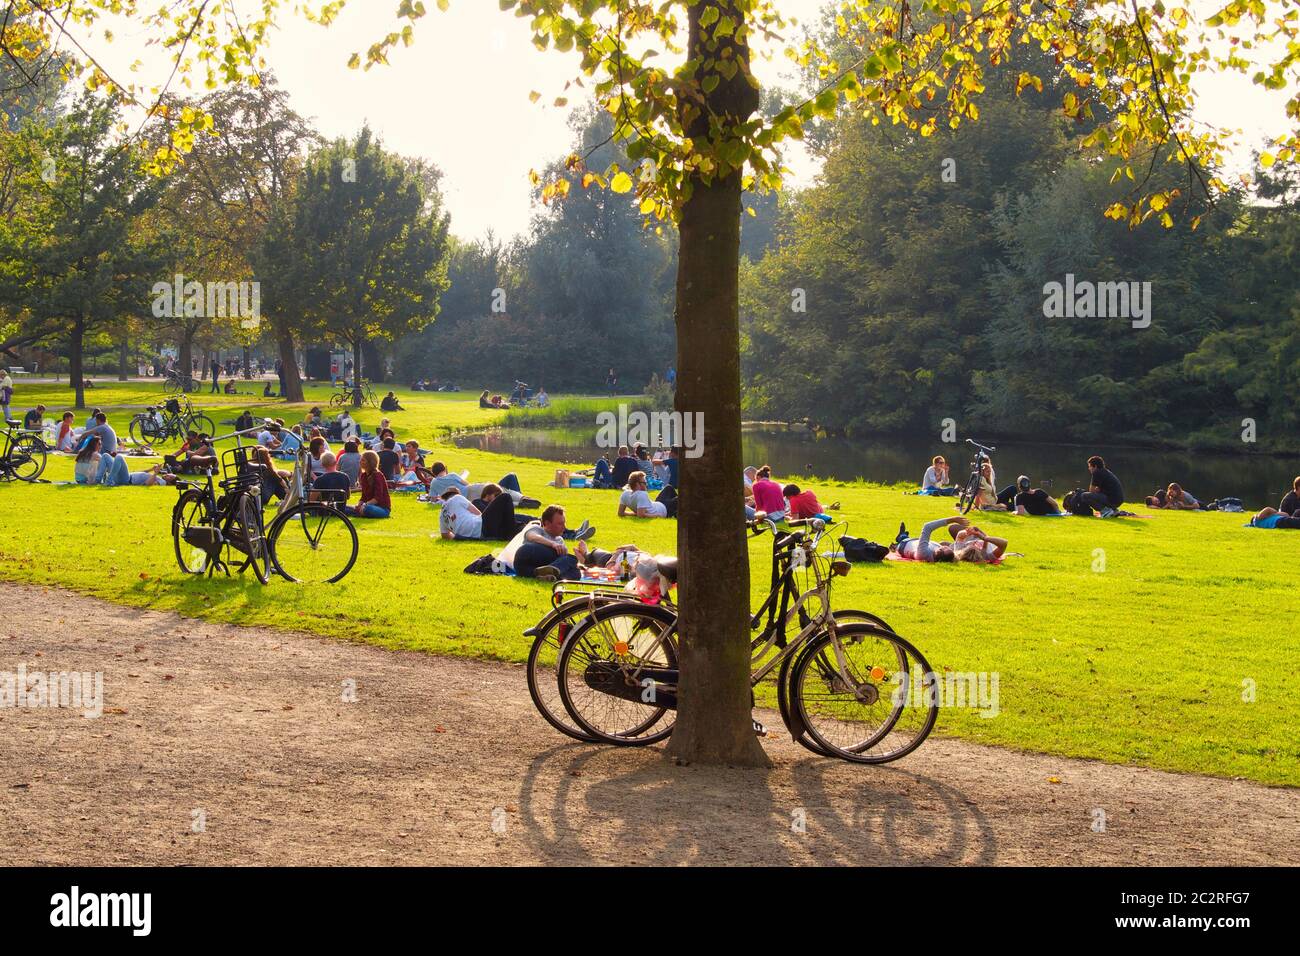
pixel 216 532
pixel 24 453
pixel 169 420
pixel 344 393
pixel 971 490
pixel 174 383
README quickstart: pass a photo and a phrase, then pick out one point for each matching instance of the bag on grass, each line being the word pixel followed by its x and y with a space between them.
pixel 858 549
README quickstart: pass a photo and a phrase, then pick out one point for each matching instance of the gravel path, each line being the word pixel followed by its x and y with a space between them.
pixel 229 745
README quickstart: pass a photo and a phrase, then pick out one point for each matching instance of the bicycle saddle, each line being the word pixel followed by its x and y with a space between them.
pixel 667 567
pixel 12 422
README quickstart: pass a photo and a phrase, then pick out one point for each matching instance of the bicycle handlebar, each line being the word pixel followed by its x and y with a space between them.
pixel 979 446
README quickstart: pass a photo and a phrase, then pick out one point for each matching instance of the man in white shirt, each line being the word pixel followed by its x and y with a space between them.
pixel 458 518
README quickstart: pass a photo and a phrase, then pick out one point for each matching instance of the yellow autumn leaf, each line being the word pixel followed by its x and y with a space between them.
pixel 621 183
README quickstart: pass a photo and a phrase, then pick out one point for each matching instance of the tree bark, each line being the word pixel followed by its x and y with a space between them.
pixel 356 374
pixel 123 355
pixel 185 356
pixel 292 380
pixel 248 362
pixel 714 698
pixel 74 361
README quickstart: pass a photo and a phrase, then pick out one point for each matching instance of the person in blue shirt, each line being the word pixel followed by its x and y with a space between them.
pixel 99 426
pixel 674 467
pixel 290 441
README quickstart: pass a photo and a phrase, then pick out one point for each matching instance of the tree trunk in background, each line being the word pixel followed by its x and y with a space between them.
pixel 714 701
pixel 292 379
pixel 185 354
pixel 248 362
pixel 74 361
pixel 123 356
pixel 356 374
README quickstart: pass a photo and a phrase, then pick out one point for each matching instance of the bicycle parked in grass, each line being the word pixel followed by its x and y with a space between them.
pixel 970 492
pixel 169 420
pixel 846 688
pixel 344 393
pixel 24 454
pixel 310 540
pixel 174 383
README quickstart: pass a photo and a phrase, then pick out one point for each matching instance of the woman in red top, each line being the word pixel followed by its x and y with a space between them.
pixel 375 502
pixel 803 504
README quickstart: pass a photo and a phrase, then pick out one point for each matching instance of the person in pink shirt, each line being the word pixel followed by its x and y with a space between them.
pixel 768 499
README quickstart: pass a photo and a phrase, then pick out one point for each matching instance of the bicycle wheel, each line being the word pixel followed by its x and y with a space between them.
pixel 190 512
pixel 172 386
pixel 617 674
pixel 338 400
pixel 549 637
pixel 201 423
pixel 793 722
pixel 312 543
pixel 865 695
pixel 244 538
pixel 27 457
pixel 969 494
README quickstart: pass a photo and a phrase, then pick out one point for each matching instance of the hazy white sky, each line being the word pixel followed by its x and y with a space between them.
pixel 460 97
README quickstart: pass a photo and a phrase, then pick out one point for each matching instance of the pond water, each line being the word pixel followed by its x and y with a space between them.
pixel 793 452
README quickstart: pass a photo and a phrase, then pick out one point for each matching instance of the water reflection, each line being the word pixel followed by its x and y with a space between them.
pixel 793 452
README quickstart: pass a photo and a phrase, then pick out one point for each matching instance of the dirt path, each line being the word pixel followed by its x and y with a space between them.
pixel 247 728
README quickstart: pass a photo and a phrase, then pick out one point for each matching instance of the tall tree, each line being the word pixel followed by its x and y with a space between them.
pixel 83 262
pixel 369 238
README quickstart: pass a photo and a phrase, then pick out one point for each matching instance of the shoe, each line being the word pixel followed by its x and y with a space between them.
pixel 529 503
pixel 548 573
pixel 581 530
pixel 586 533
pixel 1108 512
pixel 834 506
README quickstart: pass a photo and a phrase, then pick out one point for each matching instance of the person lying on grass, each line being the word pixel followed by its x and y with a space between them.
pixel 1272 518
pixel 153 477
pixel 375 502
pixel 490 517
pixel 974 545
pixel 1173 498
pixel 804 504
pixel 923 548
pixel 442 479
pixel 635 500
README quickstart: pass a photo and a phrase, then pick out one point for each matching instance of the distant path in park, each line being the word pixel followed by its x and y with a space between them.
pixel 243 731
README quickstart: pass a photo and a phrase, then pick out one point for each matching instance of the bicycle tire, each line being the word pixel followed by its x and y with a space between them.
pixel 27 457
pixel 201 423
pixel 793 723
pixel 190 510
pixel 245 537
pixel 969 494
pixel 543 655
pixel 299 519
pixel 860 751
pixel 338 400
pixel 583 649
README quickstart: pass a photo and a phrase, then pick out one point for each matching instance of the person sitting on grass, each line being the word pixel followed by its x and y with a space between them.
pixel 104 430
pixel 390 404
pixel 769 502
pixel 643 461
pixel 1173 498
pixel 269 437
pixel 389 460
pixel 273 481
pixel 936 478
pixel 350 461
pixel 1033 501
pixel 483 400
pixel 538 550
pixel 635 500
pixel 1105 494
pixel 541 398
pixel 245 421
pixel 34 420
pixel 923 548
pixel 623 467
pixel 803 504
pixel 67 440
pixel 1272 518
pixel 375 502
pixel 491 516
pixel 331 485
pixel 85 471
pixel 986 498
pixel 1290 503
pixel 194 455
pixel 411 467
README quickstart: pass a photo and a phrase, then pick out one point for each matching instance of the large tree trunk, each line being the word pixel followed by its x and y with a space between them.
pixel 714 700
pixel 74 362
pixel 248 362
pixel 123 356
pixel 185 353
pixel 292 380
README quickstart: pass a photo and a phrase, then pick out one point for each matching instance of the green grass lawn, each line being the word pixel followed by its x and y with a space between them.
pixel 1147 662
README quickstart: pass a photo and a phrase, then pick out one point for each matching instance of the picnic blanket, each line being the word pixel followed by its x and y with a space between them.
pixel 895 556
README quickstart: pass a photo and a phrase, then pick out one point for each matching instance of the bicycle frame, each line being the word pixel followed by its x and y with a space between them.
pixel 297 490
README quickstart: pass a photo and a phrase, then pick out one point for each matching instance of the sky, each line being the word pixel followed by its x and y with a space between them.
pixel 459 96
